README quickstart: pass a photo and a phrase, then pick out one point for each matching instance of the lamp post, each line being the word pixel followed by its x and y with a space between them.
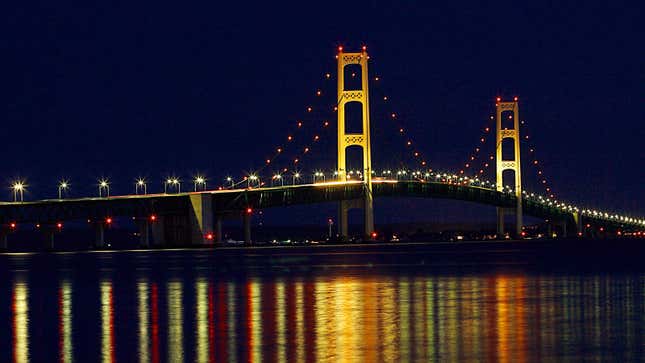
pixel 296 176
pixel 63 185
pixel 18 191
pixel 252 178
pixel 177 183
pixel 199 180
pixel 140 186
pixel 104 185
pixel 172 182
pixel 230 180
pixel 320 175
pixel 276 178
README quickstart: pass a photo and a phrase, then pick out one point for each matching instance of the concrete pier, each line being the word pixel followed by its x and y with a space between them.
pixel 144 232
pixel 99 233
pixel 219 238
pixel 201 218
pixel 247 228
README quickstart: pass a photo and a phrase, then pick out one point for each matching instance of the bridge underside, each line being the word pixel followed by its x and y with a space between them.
pixel 190 216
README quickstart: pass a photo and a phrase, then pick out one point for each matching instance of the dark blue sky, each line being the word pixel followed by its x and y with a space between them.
pixel 125 89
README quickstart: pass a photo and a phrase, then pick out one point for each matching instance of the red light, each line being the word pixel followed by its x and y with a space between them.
pixel 579 233
pixel 340 48
pixel 374 234
pixel 38 225
pixel 249 210
pixel 515 98
pixel 12 225
pixel 59 225
pixel 499 99
pixel 602 229
pixel 364 48
pixel 108 220
pixel 153 217
pixel 209 236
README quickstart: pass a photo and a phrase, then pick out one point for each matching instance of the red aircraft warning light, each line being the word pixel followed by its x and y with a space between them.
pixel 249 210
pixel 59 225
pixel 153 218
pixel 108 220
pixel 209 236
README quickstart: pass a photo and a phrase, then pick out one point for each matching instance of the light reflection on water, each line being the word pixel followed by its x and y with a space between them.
pixel 330 316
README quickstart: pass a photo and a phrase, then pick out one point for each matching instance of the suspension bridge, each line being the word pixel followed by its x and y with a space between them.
pixel 195 217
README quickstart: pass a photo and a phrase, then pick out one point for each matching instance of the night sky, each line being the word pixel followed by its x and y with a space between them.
pixel 123 90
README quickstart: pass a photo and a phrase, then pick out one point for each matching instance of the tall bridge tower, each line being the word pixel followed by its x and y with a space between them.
pixel 513 164
pixel 361 139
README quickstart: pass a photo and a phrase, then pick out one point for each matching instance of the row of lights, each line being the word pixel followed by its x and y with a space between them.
pixel 401 174
pixel 402 131
pixel 141 187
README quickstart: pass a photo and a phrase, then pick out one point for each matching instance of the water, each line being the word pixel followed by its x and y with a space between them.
pixel 184 306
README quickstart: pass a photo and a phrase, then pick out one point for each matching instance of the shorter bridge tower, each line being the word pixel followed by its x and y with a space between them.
pixel 514 164
pixel 361 139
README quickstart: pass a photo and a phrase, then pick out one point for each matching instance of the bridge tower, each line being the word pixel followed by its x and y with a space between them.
pixel 514 165
pixel 361 139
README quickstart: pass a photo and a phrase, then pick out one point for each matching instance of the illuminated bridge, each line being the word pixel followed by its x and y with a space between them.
pixel 176 218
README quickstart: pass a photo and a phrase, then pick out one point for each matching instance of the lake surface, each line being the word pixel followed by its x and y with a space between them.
pixel 171 306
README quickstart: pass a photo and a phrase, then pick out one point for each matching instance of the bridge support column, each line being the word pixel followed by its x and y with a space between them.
pixel 50 240
pixel 343 220
pixel 201 218
pixel 500 222
pixel 247 228
pixel 514 164
pixel 159 232
pixel 360 138
pixel 144 233
pixel 219 238
pixel 99 235
pixel 577 218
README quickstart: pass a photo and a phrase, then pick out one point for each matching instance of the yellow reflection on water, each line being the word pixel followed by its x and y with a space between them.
pixel 20 307
pixel 231 322
pixel 281 321
pixel 201 320
pixel 107 322
pixel 388 322
pixel 175 321
pixel 65 321
pixel 300 322
pixel 144 322
pixel 255 320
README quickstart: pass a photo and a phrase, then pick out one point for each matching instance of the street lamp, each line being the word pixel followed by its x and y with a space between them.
pixel 276 178
pixel 319 174
pixel 172 182
pixel 200 180
pixel 230 180
pixel 18 190
pixel 252 178
pixel 141 186
pixel 63 185
pixel 296 176
pixel 104 184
